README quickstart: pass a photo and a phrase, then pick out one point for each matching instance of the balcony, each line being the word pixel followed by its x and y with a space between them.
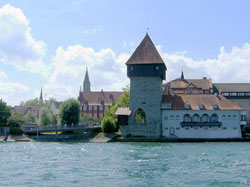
pixel 201 124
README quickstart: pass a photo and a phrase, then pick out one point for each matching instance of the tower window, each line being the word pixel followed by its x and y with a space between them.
pixel 157 68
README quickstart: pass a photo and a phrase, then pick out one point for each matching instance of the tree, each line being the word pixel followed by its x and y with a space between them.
pixel 30 118
pixel 108 124
pixel 54 119
pixel 15 120
pixel 31 102
pixel 44 117
pixel 5 113
pixel 69 112
pixel 87 118
pixel 123 101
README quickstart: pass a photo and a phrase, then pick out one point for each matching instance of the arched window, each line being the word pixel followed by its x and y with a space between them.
pixel 214 118
pixel 196 118
pixel 187 118
pixel 205 118
pixel 140 116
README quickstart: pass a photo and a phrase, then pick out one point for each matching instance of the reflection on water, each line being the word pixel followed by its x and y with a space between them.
pixel 124 164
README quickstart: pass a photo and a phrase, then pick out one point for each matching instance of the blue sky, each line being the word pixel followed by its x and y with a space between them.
pixel 204 38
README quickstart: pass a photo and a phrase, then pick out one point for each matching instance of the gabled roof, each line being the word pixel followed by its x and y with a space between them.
pixel 145 53
pixel 99 98
pixel 177 101
pixel 232 87
pixel 204 84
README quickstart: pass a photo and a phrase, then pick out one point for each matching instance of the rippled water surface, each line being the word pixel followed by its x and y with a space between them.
pixel 124 164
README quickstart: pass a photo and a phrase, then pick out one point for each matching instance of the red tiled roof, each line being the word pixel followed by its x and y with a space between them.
pixel 96 98
pixel 177 101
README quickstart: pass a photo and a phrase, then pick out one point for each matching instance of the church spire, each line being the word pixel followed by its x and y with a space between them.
pixel 86 82
pixel 41 96
pixel 182 75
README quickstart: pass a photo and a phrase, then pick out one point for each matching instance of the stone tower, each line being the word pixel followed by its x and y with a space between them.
pixel 86 82
pixel 146 70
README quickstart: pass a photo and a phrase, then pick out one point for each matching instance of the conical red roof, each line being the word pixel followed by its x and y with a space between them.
pixel 145 53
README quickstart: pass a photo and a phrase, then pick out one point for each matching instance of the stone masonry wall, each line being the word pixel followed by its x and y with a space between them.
pixel 145 94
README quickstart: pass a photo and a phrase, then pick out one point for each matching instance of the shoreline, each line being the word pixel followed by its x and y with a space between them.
pixel 105 138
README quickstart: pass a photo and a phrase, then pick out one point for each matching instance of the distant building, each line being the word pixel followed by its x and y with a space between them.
pixel 235 92
pixel 188 86
pixel 188 109
pixel 94 103
pixel 35 110
pixel 54 107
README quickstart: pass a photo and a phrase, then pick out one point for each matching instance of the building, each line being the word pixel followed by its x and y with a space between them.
pixel 94 103
pixel 201 116
pixel 35 110
pixel 188 86
pixel 235 92
pixel 54 107
pixel 192 113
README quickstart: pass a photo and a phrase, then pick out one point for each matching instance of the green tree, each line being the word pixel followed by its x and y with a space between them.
pixel 44 117
pixel 30 118
pixel 54 119
pixel 123 101
pixel 5 113
pixel 87 118
pixel 108 124
pixel 15 120
pixel 31 102
pixel 69 112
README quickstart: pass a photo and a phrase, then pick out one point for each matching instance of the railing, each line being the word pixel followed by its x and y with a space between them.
pixel 216 123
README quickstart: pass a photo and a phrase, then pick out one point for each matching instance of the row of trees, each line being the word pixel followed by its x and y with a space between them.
pixel 69 114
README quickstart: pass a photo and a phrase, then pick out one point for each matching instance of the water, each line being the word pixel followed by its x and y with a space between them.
pixel 124 164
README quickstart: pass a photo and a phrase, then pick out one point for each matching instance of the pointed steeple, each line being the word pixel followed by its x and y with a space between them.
pixel 41 96
pixel 146 53
pixel 86 82
pixel 182 75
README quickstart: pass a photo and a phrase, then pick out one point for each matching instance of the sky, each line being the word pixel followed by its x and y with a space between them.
pixel 49 44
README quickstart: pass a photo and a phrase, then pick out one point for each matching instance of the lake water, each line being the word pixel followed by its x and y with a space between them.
pixel 124 164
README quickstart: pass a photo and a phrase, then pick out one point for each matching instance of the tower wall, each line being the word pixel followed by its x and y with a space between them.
pixel 145 94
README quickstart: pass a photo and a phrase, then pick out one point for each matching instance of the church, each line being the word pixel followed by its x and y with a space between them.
pixel 181 109
pixel 95 103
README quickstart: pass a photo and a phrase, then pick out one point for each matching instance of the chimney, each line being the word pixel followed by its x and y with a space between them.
pixel 204 78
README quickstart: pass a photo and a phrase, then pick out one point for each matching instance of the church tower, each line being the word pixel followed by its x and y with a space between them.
pixel 41 96
pixel 86 82
pixel 146 71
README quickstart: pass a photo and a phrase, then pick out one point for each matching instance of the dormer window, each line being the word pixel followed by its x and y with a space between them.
pixel 201 106
pixel 215 106
pixel 187 106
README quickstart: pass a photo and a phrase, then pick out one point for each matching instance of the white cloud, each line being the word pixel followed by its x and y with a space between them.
pixel 12 92
pixel 233 66
pixel 106 70
pixel 17 46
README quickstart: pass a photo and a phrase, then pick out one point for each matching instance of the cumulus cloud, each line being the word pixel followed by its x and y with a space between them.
pixel 17 46
pixel 12 92
pixel 106 70
pixel 232 66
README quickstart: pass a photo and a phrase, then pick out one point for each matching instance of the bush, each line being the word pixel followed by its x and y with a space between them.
pixel 15 120
pixel 16 131
pixel 108 125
